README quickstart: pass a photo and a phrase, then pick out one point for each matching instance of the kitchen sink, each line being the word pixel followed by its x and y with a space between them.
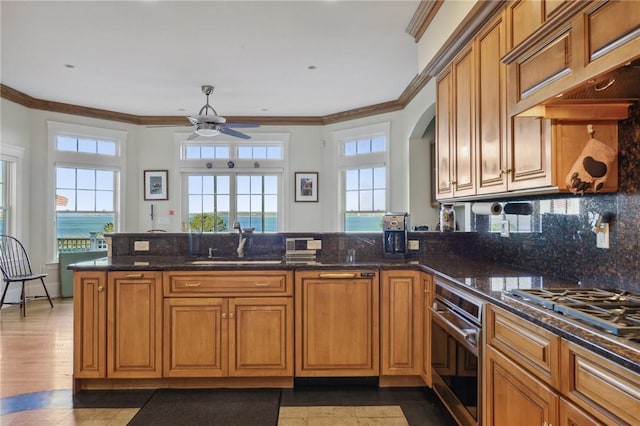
pixel 237 262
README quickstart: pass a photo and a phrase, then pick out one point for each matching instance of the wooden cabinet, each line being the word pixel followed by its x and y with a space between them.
pixel 556 47
pixel 537 349
pixel 535 377
pixel 514 396
pixel 427 287
pixel 246 336
pixel 89 325
pixel 337 323
pixel 456 149
pixel 117 321
pixel 218 337
pixel 607 390
pixel 134 325
pixel 402 310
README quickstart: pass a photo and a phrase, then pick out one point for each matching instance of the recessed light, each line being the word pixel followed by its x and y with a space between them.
pixel 264 109
pixel 69 65
pixel 311 67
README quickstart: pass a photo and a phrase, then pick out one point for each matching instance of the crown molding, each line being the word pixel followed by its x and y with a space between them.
pixel 423 17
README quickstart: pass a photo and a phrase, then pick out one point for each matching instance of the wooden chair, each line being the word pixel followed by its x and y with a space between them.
pixel 16 268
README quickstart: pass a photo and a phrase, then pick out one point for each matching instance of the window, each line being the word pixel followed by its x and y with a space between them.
pixel 10 189
pixel 87 168
pixel 363 173
pixel 238 188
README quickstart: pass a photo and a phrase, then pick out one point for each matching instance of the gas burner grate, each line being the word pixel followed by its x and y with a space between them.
pixel 611 310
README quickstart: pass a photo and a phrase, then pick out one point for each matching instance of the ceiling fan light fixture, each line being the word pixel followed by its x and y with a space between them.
pixel 207 129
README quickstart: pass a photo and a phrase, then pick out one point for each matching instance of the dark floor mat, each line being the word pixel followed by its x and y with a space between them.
pixel 229 407
pixel 112 398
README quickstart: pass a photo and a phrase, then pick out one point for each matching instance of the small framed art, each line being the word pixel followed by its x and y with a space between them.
pixel 156 185
pixel 306 186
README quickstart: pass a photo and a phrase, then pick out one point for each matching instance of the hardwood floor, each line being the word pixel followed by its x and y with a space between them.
pixel 36 366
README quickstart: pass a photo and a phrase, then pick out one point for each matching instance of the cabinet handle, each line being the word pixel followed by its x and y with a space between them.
pixel 224 316
pixel 100 288
pixel 263 284
pixel 338 275
pixel 187 284
pixel 133 275
pixel 230 315
pixel 453 182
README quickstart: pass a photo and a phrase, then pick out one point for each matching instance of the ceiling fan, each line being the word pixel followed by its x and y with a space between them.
pixel 213 124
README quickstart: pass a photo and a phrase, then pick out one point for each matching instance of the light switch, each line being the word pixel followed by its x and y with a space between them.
pixel 414 245
pixel 314 245
pixel 602 236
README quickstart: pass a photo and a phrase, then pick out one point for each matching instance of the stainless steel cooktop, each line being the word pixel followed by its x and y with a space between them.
pixel 611 310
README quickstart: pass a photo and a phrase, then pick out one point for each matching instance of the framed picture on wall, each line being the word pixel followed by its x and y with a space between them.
pixel 156 185
pixel 306 186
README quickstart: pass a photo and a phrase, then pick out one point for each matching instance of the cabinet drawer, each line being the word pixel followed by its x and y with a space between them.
pixel 609 25
pixel 601 387
pixel 544 66
pixel 196 283
pixel 535 348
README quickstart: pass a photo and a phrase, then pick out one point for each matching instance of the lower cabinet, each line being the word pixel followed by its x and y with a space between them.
pixel 337 323
pixel 219 337
pixel 117 325
pixel 401 311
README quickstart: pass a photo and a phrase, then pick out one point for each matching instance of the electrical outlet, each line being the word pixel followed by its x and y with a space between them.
pixel 414 245
pixel 505 229
pixel 602 236
pixel 141 245
pixel 314 245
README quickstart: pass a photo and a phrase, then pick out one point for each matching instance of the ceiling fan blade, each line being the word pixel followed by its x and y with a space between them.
pixel 231 132
pixel 241 125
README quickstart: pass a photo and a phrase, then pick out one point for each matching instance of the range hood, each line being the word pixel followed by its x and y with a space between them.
pixel 606 97
pixel 622 84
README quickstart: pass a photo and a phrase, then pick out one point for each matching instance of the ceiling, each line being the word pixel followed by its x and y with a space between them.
pixel 265 58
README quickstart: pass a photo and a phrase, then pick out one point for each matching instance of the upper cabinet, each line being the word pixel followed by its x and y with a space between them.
pixel 515 105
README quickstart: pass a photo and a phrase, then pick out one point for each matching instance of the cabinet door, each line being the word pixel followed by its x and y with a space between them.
pixel 427 287
pixel 195 337
pixel 570 415
pixel 525 16
pixel 134 325
pixel 491 109
pixel 261 336
pixel 89 324
pixel 530 153
pixel 337 324
pixel 401 313
pixel 444 141
pixel 463 124
pixel 514 397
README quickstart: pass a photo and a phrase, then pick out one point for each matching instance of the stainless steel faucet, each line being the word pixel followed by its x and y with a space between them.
pixel 241 239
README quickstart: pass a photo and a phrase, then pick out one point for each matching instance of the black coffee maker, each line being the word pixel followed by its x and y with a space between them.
pixel 395 226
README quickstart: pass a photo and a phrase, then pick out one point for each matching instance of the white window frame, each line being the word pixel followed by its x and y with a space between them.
pixel 14 155
pixel 240 166
pixel 57 158
pixel 345 162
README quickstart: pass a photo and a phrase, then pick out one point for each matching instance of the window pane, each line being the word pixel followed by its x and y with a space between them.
pixel 270 184
pixel 379 177
pixel 377 144
pixel 195 204
pixel 366 200
pixel 271 203
pixel 208 205
pixel 379 199
pixel 260 152
pixel 245 152
pixel 224 204
pixel 104 180
pixel 192 152
pixel 352 201
pixel 243 185
pixel 107 148
pixel 222 152
pixel 66 143
pixel 363 222
pixel 207 152
pixel 65 178
pixel 86 200
pixel 274 153
pixel 366 178
pixel 86 179
pixel 194 184
pixel 243 204
pixel 364 146
pixel 256 184
pixel 223 184
pixel 351 180
pixel 104 201
pixel 87 145
pixel 207 185
pixel 350 148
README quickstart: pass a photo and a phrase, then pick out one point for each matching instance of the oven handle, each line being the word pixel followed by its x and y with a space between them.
pixel 466 336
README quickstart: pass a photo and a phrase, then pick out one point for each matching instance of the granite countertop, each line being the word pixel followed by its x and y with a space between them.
pixel 487 280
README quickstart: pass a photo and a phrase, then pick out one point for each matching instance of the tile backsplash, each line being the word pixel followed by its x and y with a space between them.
pixel 565 245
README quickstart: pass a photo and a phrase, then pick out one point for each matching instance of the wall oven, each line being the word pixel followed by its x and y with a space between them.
pixel 456 333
